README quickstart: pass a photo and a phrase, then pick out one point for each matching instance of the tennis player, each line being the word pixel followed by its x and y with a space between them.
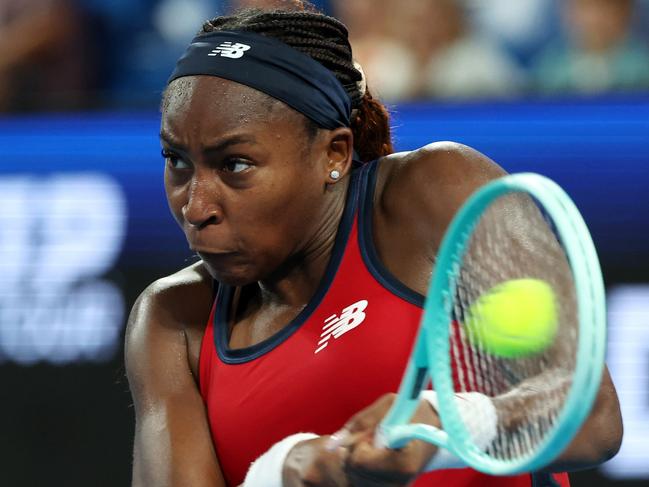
pixel 316 243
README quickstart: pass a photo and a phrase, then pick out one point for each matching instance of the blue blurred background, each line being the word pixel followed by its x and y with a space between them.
pixel 556 87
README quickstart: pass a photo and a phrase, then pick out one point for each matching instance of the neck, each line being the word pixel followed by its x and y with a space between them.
pixel 295 282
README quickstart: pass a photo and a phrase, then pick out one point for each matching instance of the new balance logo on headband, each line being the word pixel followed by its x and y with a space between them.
pixel 227 49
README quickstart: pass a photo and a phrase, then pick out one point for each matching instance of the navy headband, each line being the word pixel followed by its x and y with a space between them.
pixel 272 67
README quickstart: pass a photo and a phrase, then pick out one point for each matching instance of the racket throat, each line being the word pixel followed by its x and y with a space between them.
pixel 421 375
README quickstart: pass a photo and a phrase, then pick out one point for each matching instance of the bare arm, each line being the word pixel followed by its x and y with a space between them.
pixel 600 436
pixel 172 439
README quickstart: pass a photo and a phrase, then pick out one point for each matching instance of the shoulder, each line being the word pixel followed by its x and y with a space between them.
pixel 432 182
pixel 416 195
pixel 177 301
pixel 164 329
pixel 440 163
pixel 189 286
pixel 181 285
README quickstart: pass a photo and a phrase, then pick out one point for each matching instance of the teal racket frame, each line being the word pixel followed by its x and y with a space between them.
pixel 431 355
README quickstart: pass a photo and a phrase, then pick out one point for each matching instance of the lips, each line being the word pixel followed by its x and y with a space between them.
pixel 218 258
pixel 207 251
pixel 219 262
pixel 208 241
pixel 203 245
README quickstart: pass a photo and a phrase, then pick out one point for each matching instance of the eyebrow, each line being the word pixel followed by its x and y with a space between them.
pixel 217 146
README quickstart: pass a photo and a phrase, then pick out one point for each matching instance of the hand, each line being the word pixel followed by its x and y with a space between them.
pixel 311 463
pixel 370 466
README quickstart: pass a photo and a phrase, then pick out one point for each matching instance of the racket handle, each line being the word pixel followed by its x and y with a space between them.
pixel 414 380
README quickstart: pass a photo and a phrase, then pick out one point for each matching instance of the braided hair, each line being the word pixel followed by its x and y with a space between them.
pixel 324 39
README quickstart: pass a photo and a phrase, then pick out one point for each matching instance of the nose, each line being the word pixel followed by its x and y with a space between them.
pixel 202 207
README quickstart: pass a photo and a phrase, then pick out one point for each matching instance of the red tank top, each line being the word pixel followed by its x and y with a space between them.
pixel 346 348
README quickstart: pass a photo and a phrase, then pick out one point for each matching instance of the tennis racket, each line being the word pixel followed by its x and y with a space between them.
pixel 520 226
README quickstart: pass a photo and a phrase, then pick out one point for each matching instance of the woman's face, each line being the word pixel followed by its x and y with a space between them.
pixel 243 179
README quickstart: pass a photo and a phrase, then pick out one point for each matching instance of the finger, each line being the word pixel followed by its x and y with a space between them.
pixel 309 464
pixel 346 441
pixel 369 418
pixel 331 467
pixel 394 464
pixel 338 439
pixel 381 465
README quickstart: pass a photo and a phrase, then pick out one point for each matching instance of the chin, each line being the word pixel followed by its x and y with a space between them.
pixel 231 275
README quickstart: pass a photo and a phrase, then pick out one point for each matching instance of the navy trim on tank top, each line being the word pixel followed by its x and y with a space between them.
pixel 225 292
pixel 366 241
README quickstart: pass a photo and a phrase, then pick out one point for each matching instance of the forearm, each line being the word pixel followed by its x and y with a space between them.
pixel 173 446
pixel 598 438
pixel 158 461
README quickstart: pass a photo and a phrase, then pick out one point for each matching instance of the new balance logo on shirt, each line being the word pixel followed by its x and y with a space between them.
pixel 336 326
pixel 227 49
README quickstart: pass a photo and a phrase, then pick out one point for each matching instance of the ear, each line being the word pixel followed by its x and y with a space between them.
pixel 340 151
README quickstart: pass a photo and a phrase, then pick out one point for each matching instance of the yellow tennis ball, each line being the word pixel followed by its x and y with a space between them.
pixel 515 318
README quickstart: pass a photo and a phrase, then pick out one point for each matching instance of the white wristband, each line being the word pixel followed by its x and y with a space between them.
pixel 266 471
pixel 481 419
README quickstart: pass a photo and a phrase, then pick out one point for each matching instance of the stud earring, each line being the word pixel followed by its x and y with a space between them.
pixel 334 174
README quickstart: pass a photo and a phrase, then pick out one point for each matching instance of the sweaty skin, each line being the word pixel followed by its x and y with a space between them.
pixel 251 190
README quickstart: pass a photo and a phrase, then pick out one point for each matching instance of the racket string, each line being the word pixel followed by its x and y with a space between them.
pixel 529 391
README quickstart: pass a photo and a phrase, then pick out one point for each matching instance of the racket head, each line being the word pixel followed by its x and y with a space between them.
pixel 574 239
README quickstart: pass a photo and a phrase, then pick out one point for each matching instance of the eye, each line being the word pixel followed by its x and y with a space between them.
pixel 174 161
pixel 236 165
